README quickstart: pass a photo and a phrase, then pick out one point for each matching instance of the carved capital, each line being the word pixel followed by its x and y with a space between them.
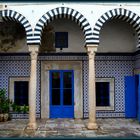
pixel 91 51
pixel 34 55
pixel 33 49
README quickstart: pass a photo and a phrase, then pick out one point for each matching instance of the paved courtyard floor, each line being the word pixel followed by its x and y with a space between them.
pixel 71 128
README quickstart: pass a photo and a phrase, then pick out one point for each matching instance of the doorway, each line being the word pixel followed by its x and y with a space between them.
pixel 61 93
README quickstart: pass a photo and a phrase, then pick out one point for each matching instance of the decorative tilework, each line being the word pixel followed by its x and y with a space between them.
pixel 115 58
pixel 22 116
pixel 106 66
pixel 110 66
pixel 107 114
pixel 21 58
pixel 63 58
pixel 18 68
pixel 137 63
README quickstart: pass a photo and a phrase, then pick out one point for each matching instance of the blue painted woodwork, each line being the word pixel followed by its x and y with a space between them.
pixel 21 93
pixel 61 40
pixel 138 98
pixel 130 97
pixel 102 94
pixel 59 107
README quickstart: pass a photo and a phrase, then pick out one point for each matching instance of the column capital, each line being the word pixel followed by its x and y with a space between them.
pixel 91 51
pixel 33 49
pixel 91 48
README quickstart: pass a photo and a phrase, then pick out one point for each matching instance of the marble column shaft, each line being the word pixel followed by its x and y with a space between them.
pixel 91 88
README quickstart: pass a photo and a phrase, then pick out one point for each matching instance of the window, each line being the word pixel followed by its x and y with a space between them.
pixel 21 92
pixel 18 90
pixel 61 40
pixel 105 93
pixel 102 94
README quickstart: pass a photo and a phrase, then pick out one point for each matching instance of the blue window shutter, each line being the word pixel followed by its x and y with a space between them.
pixel 130 97
pixel 61 40
pixel 138 98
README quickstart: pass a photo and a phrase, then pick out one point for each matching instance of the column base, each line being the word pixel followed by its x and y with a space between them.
pixel 92 126
pixel 31 126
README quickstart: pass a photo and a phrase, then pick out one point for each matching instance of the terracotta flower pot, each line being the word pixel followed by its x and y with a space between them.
pixel 1 117
pixel 4 117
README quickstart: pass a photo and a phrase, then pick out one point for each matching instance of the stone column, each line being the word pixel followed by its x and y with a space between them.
pixel 91 88
pixel 33 49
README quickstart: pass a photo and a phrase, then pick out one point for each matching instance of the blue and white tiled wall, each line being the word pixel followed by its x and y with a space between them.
pixel 111 66
pixel 106 66
pixel 137 63
pixel 17 66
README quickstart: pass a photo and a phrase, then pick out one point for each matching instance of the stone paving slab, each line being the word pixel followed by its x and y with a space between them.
pixel 50 128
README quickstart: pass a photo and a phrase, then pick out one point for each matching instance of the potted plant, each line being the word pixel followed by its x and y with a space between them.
pixel 7 106
pixel 4 106
pixel 25 109
pixel 19 109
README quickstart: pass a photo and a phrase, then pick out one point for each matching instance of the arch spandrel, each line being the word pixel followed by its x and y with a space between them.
pixel 64 12
pixel 119 13
pixel 15 16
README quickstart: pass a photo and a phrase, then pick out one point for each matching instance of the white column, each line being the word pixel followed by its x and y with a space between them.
pixel 91 88
pixel 33 49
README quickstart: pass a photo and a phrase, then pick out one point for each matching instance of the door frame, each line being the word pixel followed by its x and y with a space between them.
pixel 76 66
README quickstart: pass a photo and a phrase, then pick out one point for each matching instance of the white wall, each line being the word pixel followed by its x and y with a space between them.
pixel 12 37
pixel 75 34
pixel 117 36
pixel 90 10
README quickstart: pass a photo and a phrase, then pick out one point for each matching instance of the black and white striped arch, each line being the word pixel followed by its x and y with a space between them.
pixel 15 16
pixel 119 13
pixel 63 12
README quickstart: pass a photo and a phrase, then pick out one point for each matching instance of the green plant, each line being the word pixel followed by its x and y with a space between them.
pixel 19 109
pixel 13 107
pixel 16 108
pixel 6 105
pixel 4 102
pixel 24 109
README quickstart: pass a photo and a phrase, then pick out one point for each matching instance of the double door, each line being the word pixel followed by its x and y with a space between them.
pixel 61 94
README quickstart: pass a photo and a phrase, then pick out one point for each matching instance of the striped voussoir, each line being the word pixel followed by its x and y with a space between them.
pixel 120 13
pixel 17 17
pixel 63 12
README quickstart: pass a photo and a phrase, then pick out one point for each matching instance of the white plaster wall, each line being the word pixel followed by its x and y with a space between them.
pixel 75 35
pixel 114 38
pixel 117 36
pixel 91 10
pixel 20 46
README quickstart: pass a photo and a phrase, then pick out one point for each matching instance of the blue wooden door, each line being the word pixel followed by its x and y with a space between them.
pixel 130 97
pixel 138 98
pixel 61 94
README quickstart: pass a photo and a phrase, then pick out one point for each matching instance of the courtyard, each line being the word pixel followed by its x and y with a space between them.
pixel 71 128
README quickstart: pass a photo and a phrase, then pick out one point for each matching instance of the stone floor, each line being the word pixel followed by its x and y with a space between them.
pixel 65 128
